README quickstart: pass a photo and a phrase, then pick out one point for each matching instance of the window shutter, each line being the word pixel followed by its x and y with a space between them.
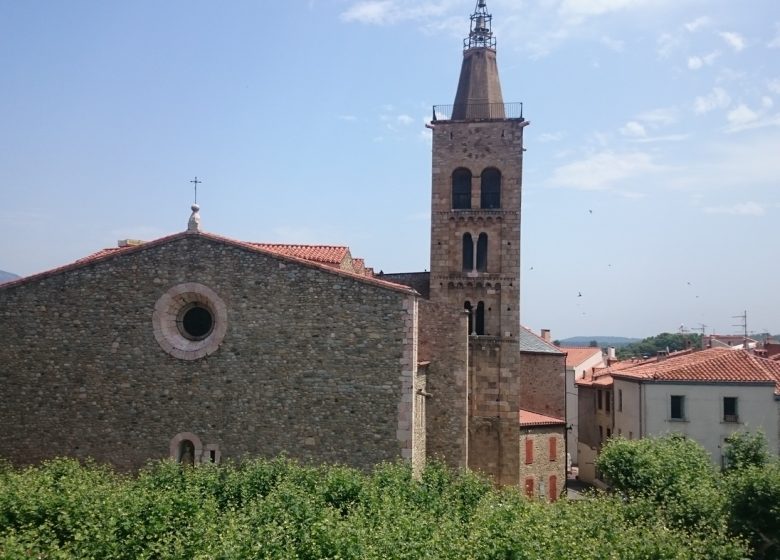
pixel 553 488
pixel 529 487
pixel 553 448
pixel 529 451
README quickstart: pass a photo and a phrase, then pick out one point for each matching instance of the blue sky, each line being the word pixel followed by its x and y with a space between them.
pixel 652 176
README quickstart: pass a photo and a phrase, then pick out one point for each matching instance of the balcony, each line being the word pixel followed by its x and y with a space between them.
pixel 477 111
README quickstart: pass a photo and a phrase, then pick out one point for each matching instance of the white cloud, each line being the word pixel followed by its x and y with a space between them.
pixel 740 209
pixel 663 116
pixel 603 170
pixel 550 137
pixel 613 44
pixel 734 40
pixel 373 12
pixel 697 62
pixel 774 86
pixel 667 43
pixel 405 120
pixel 583 8
pixel 348 118
pixel 717 99
pixel 775 43
pixel 388 12
pixel 633 129
pixel 665 138
pixel 741 115
pixel 766 102
pixel 697 24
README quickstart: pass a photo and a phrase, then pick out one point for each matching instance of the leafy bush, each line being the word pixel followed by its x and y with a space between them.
pixel 280 509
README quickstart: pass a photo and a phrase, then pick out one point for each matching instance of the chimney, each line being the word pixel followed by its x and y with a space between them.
pixel 546 335
pixel 129 243
pixel 611 356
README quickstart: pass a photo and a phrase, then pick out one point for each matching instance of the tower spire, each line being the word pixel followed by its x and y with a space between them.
pixel 479 89
pixel 481 30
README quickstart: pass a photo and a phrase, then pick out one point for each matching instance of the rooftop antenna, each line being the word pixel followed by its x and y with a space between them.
pixel 743 324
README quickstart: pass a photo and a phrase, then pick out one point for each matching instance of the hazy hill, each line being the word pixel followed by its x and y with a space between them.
pixel 616 341
pixel 7 276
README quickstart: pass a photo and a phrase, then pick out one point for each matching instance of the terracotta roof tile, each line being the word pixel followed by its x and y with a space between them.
pixel 712 365
pixel 328 254
pixel 320 251
pixel 575 356
pixel 528 418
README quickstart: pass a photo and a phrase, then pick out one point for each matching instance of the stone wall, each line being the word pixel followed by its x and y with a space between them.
pixel 444 343
pixel 541 465
pixel 319 365
pixel 543 383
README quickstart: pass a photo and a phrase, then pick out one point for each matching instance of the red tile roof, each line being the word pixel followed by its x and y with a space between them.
pixel 327 254
pixel 528 418
pixel 106 254
pixel 575 356
pixel 706 366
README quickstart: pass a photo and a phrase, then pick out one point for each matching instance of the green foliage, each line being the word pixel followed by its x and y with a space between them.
pixel 673 472
pixel 753 497
pixel 280 509
pixel 744 450
pixel 665 341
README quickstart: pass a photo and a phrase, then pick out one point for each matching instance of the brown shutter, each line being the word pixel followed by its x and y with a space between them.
pixel 529 450
pixel 553 488
pixel 553 448
pixel 529 487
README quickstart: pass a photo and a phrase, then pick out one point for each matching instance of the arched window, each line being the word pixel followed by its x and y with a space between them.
pixel 186 454
pixel 482 248
pixel 470 311
pixel 461 189
pixel 480 319
pixel 468 252
pixel 490 191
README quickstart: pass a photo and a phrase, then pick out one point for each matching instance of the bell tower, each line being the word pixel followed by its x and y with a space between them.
pixel 475 243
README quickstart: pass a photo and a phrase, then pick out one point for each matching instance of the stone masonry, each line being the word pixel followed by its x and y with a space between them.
pixel 318 364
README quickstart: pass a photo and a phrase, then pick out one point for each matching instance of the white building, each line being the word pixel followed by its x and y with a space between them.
pixel 578 362
pixel 706 395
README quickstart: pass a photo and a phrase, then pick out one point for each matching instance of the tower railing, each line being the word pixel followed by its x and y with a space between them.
pixel 477 111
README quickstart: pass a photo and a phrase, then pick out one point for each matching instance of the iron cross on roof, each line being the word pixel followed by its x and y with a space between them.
pixel 196 182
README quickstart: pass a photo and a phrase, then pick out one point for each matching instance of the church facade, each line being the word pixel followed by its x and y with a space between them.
pixel 200 348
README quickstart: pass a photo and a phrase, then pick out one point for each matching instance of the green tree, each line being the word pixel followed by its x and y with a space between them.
pixel 672 472
pixel 593 344
pixel 744 449
pixel 753 499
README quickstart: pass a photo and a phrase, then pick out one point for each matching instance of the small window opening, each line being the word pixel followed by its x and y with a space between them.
pixel 461 189
pixel 195 322
pixel 677 407
pixel 490 194
pixel 468 252
pixel 480 326
pixel 730 409
pixel 468 308
pixel 186 454
pixel 482 248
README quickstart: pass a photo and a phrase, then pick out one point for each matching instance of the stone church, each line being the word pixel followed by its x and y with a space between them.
pixel 201 348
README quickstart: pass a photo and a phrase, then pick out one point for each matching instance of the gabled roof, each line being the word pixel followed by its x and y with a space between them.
pixel 115 252
pixel 535 344
pixel 528 418
pixel 575 356
pixel 715 365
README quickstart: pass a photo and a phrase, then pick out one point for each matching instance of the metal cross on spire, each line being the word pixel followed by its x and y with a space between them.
pixel 196 182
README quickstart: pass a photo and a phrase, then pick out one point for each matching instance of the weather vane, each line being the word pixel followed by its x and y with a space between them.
pixel 196 182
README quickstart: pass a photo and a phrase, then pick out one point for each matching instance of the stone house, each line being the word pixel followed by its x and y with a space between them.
pixel 543 455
